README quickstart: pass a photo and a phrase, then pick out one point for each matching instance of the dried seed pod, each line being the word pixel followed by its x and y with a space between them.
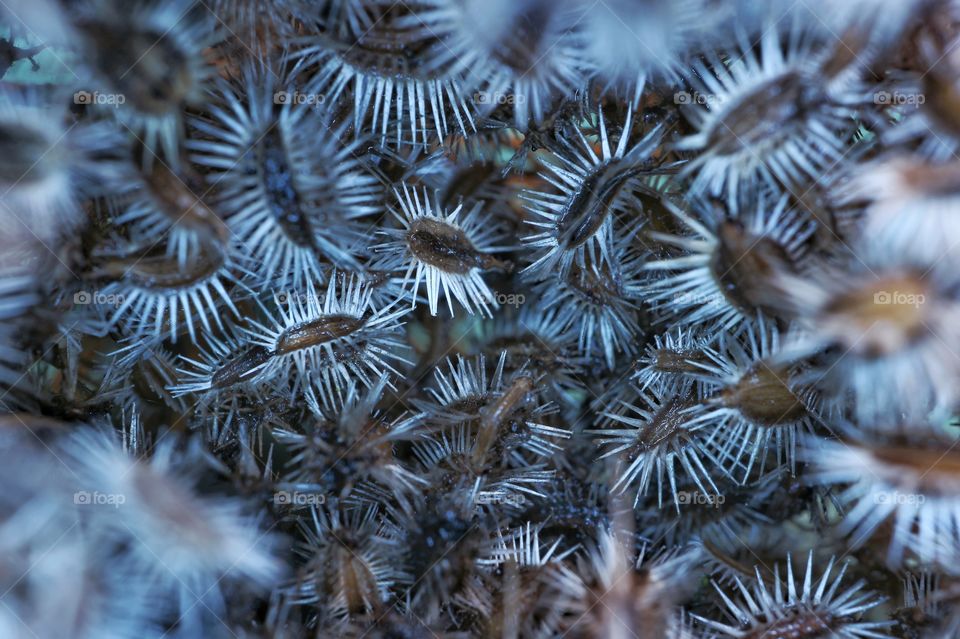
pixel 445 533
pixel 500 416
pixel 386 56
pixel 161 207
pixel 449 250
pixel 522 55
pixel 761 122
pixel 224 363
pixel 450 458
pixel 48 166
pixel 151 294
pixel 333 452
pixel 618 587
pixel 141 369
pixel 908 482
pixel 227 382
pixel 910 206
pixel 925 105
pixel 887 321
pixel 291 192
pixel 538 341
pixel 149 512
pixel 652 436
pixel 727 267
pixel 318 343
pixel 758 402
pixel 671 361
pixel 581 221
pixel 600 303
pixel 631 42
pixel 519 574
pixel 810 608
pixel 150 59
pixel 350 567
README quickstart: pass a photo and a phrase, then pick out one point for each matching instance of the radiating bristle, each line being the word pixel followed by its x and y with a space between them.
pixel 515 55
pixel 149 511
pixel 49 166
pixel 724 270
pixel 655 437
pixel 757 403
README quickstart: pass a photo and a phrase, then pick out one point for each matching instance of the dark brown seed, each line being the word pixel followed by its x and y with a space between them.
pixel 175 196
pixel 668 423
pixel 883 315
pixel 315 332
pixel 497 412
pixel 936 466
pixel 679 362
pixel 235 371
pixel 763 396
pixel 744 265
pixel 446 247
pixel 591 205
pixel 797 624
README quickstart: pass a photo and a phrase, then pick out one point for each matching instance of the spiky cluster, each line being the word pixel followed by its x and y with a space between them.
pixel 480 318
